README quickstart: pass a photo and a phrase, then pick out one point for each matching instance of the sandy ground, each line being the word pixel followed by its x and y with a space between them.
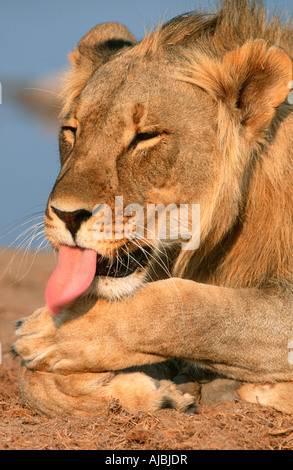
pixel 226 426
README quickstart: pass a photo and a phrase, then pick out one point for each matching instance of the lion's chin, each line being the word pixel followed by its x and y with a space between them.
pixel 112 288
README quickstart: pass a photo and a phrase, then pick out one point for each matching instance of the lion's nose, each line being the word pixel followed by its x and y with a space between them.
pixel 73 220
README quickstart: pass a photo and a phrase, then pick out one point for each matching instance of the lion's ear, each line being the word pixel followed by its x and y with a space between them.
pixel 97 46
pixel 94 49
pixel 252 81
pixel 256 81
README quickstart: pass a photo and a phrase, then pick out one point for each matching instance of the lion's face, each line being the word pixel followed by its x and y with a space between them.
pixel 137 128
pixel 133 135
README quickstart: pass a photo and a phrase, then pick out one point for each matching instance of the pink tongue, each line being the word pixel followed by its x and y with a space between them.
pixel 72 276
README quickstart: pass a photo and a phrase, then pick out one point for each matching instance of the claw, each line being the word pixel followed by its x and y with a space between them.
pixel 190 409
pixel 18 323
pixel 13 351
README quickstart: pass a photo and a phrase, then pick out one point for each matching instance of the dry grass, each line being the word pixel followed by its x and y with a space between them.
pixel 226 426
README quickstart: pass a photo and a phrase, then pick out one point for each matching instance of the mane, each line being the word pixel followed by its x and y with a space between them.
pixel 233 23
pixel 254 249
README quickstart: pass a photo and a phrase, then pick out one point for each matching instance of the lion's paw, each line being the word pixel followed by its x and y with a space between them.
pixel 37 342
pixel 147 394
pixel 174 398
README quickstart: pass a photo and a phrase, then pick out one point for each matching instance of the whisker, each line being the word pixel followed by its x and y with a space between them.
pixel 116 259
pixel 127 257
pixel 167 271
pixel 110 265
pixel 38 249
pixel 18 248
pixel 59 95
pixel 163 266
pixel 159 261
pixel 156 248
pixel 128 254
pixel 44 90
pixel 32 262
pixel 149 243
pixel 26 246
pixel 20 225
pixel 147 254
pixel 25 239
pixel 25 234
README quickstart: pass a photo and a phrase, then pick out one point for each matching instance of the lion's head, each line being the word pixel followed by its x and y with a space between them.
pixel 189 115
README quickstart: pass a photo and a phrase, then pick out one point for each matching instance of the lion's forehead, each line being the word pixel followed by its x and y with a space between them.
pixel 120 85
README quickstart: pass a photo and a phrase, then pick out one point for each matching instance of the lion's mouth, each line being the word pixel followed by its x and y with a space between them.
pixel 77 267
pixel 124 265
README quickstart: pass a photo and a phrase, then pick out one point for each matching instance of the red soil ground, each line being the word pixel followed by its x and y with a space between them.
pixel 226 426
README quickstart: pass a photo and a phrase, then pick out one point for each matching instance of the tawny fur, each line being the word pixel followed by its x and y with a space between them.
pixel 215 88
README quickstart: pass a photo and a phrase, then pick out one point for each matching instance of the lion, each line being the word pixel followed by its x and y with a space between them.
pixel 197 113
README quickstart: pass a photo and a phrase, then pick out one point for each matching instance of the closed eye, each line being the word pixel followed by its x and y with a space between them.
pixel 69 132
pixel 67 138
pixel 144 140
